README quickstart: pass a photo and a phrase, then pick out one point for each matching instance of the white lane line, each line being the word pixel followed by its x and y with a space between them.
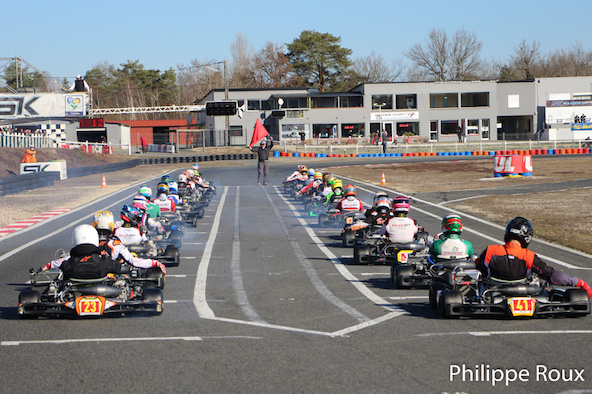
pixel 342 268
pixel 461 199
pixel 136 339
pixel 188 257
pixel 192 243
pixel 176 276
pixel 490 333
pixel 237 280
pixel 485 236
pixel 199 294
pixel 402 298
pixel 308 268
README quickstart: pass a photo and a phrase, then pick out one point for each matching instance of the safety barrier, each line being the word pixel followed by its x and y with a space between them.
pixel 19 183
pixel 18 140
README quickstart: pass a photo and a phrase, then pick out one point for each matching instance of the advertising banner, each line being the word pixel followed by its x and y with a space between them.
pixel 42 105
pixel 59 166
pixel 512 165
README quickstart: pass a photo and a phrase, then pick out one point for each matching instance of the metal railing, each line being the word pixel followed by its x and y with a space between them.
pixel 22 140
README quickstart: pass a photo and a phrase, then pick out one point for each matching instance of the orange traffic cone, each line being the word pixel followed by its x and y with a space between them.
pixel 383 180
pixel 104 184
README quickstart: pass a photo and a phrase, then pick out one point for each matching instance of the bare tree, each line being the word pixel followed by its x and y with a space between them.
pixel 196 80
pixel 568 63
pixel 273 68
pixel 443 59
pixel 526 60
pixel 373 68
pixel 242 66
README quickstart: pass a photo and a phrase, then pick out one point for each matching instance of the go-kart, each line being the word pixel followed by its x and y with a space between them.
pixel 135 290
pixel 169 255
pixel 469 294
pixel 356 229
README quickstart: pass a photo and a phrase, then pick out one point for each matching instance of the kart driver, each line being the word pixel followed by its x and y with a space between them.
pixel 514 261
pixel 152 209
pixel 449 245
pixel 350 204
pixel 400 228
pixel 86 261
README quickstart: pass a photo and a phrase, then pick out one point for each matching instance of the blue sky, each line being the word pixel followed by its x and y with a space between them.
pixel 68 38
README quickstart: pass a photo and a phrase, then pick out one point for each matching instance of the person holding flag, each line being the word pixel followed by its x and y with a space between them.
pixel 260 136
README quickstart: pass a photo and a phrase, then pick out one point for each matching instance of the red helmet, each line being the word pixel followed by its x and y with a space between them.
pixel 401 204
pixel 349 190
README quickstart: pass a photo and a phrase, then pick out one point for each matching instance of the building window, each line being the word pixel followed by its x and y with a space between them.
pixel 406 101
pixel 323 102
pixel 474 99
pixel 295 114
pixel 352 130
pixel 292 131
pixel 444 100
pixel 448 127
pixel 235 131
pixel 324 131
pixel 473 126
pixel 513 101
pixel 253 105
pixel 296 103
pixel 485 129
pixel 407 129
pixel 267 105
pixel 349 102
pixel 382 101
pixel 433 130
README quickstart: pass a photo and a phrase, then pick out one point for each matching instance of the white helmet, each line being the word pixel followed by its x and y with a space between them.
pixel 85 234
pixel 182 178
pixel 104 221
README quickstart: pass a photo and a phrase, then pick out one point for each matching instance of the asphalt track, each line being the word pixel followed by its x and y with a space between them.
pixel 266 301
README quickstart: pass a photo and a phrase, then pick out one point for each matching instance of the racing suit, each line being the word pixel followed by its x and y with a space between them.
pixel 311 186
pixel 296 176
pixel 130 235
pixel 153 210
pixel 512 262
pixel 400 229
pixel 165 205
pixel 86 262
pixel 377 218
pixel 451 246
pixel 350 204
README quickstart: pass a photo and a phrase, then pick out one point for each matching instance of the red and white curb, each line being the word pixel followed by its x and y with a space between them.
pixel 11 228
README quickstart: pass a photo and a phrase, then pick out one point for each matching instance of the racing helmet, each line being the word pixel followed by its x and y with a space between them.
pixel 145 191
pixel 337 184
pixel 350 190
pixel 383 206
pixel 318 175
pixel 85 234
pixel 326 176
pixel 131 216
pixel 165 179
pixel 452 224
pixel 162 189
pixel 104 220
pixel 140 202
pixel 401 205
pixel 311 172
pixel 379 196
pixel 303 169
pixel 519 229
pixel 330 180
pixel 182 178
pixel 173 190
pixel 195 167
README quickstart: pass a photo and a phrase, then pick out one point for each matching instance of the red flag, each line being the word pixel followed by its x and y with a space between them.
pixel 258 134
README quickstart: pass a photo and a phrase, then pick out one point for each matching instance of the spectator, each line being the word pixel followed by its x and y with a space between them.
pixel 79 85
pixel 302 137
pixel 583 118
pixel 384 138
pixel 30 155
pixel 263 160
pixel 143 143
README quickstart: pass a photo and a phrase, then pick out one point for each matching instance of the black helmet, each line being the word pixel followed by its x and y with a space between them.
pixel 519 229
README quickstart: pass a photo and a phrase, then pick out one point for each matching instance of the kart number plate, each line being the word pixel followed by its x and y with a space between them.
pixel 403 256
pixel 90 306
pixel 522 306
pixel 349 220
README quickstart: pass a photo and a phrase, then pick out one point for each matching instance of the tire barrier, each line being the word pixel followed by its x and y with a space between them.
pixel 18 183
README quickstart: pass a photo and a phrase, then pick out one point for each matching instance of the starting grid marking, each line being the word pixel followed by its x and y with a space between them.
pixel 11 228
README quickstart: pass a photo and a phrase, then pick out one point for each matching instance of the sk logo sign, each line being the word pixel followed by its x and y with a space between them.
pixel 16 106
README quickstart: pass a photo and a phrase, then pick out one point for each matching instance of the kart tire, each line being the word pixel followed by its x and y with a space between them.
pixel 156 275
pixel 433 294
pixel 361 255
pixel 575 295
pixel 348 239
pixel 172 251
pixel 194 221
pixel 402 274
pixel 323 220
pixel 447 297
pixel 200 213
pixel 29 297
pixel 153 294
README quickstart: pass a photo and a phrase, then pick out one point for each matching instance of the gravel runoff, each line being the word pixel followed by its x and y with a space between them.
pixel 72 193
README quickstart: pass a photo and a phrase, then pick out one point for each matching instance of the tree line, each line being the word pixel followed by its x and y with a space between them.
pixel 316 60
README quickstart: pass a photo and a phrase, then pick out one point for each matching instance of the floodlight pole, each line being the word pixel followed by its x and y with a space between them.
pixel 227 123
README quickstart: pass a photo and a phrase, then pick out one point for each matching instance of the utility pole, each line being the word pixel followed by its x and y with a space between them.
pixel 226 131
